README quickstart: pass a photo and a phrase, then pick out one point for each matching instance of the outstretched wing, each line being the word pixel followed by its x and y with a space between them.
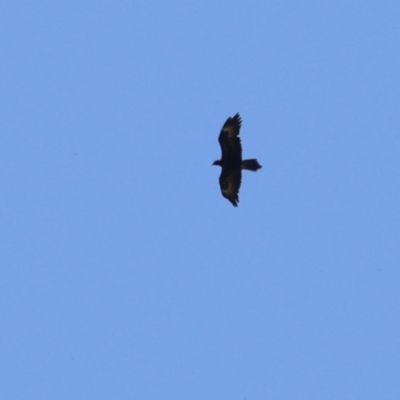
pixel 229 181
pixel 229 139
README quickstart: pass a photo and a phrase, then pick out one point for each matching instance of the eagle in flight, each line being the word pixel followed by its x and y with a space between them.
pixel 231 160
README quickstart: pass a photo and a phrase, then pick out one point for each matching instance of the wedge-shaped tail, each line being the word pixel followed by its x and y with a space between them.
pixel 251 164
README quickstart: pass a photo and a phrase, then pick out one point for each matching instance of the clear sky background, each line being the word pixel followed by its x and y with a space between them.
pixel 124 272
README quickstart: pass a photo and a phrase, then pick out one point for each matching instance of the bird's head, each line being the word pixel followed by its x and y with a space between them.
pixel 217 162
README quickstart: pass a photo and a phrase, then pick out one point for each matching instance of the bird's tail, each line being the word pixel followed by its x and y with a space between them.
pixel 251 165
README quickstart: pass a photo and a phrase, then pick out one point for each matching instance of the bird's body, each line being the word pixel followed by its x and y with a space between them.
pixel 231 160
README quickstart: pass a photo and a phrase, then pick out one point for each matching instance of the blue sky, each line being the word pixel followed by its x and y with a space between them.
pixel 124 272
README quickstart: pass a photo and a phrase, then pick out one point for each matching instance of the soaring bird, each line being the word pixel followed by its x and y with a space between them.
pixel 231 159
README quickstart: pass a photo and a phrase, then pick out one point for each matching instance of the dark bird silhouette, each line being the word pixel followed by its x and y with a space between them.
pixel 231 160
